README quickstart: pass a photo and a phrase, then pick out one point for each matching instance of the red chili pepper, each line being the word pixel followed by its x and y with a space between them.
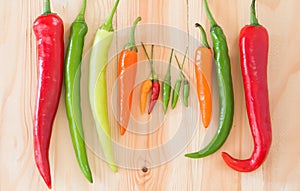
pixel 49 32
pixel 154 95
pixel 254 44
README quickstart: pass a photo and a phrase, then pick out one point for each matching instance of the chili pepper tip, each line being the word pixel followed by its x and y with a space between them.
pixel 122 130
pixel 113 167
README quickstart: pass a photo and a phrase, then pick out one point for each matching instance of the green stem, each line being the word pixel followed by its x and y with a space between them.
pixel 153 74
pixel 107 25
pixel 131 42
pixel 154 77
pixel 47 9
pixel 183 63
pixel 180 76
pixel 145 51
pixel 203 34
pixel 177 62
pixel 253 18
pixel 169 66
pixel 80 16
pixel 178 66
pixel 209 15
pixel 181 67
pixel 184 58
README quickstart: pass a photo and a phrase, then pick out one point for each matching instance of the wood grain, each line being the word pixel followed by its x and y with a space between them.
pixel 281 170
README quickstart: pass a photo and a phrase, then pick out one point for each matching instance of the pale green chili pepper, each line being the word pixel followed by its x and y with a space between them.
pixel 97 85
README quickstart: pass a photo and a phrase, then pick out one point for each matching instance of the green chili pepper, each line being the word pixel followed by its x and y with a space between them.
pixel 176 92
pixel 72 84
pixel 177 87
pixel 186 92
pixel 97 85
pixel 225 89
pixel 167 85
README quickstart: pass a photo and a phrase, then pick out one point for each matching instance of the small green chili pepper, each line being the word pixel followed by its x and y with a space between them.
pixel 224 80
pixel 186 92
pixel 97 85
pixel 167 85
pixel 72 84
pixel 177 87
pixel 176 92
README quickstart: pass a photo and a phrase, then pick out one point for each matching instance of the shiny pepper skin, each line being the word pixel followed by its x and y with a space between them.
pixel 49 31
pixel 254 46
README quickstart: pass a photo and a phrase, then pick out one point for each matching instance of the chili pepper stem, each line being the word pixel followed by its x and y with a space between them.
pixel 170 61
pixel 47 7
pixel 181 67
pixel 209 15
pixel 153 74
pixel 131 42
pixel 253 18
pixel 80 16
pixel 107 25
pixel 184 58
pixel 203 35
pixel 83 7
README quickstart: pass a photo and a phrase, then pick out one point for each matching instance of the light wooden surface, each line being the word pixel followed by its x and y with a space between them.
pixel 281 171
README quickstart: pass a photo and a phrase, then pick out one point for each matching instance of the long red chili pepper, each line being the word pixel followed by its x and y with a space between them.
pixel 49 32
pixel 254 44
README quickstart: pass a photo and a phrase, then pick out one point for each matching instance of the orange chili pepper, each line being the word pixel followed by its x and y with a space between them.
pixel 146 87
pixel 203 68
pixel 126 72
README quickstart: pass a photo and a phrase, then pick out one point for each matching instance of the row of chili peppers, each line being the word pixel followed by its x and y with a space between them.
pixel 253 44
pixel 49 33
pixel 153 84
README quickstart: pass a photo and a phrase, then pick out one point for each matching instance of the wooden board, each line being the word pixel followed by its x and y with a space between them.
pixel 281 171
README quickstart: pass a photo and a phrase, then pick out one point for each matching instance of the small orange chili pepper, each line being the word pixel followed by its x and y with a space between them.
pixel 146 87
pixel 203 68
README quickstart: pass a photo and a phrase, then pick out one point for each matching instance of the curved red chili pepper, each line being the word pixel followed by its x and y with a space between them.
pixel 49 32
pixel 254 44
pixel 154 95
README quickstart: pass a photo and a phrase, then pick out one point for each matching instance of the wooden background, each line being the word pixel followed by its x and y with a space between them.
pixel 281 171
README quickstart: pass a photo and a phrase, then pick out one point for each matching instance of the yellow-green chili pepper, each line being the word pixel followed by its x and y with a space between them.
pixel 97 86
pixel 72 84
